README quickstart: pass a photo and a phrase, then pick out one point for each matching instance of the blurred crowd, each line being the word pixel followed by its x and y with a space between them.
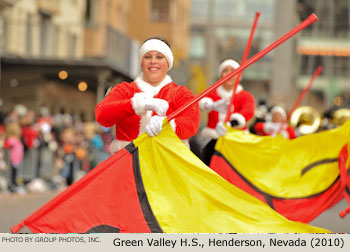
pixel 40 151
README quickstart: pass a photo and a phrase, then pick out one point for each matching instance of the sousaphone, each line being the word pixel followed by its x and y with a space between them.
pixel 306 118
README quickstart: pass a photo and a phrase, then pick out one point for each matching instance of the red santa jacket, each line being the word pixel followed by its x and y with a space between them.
pixel 120 108
pixel 271 129
pixel 244 105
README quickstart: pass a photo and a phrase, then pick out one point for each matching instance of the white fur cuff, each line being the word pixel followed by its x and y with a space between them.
pixel 240 119
pixel 138 103
pixel 206 104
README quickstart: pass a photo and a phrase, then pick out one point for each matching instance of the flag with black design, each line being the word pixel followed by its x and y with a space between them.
pixel 156 184
pixel 298 178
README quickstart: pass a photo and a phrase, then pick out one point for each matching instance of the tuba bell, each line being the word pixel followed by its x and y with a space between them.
pixel 340 116
pixel 306 118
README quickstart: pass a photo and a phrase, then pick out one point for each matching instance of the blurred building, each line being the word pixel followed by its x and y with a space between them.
pixel 326 44
pixel 220 29
pixel 37 37
pixel 106 40
pixel 166 18
pixel 63 54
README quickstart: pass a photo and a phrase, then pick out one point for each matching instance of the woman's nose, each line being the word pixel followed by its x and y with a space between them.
pixel 153 59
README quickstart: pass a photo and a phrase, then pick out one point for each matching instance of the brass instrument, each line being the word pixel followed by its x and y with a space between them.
pixel 340 116
pixel 306 118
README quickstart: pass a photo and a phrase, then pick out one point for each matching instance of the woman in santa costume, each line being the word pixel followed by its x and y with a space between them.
pixel 141 105
pixel 216 103
pixel 275 123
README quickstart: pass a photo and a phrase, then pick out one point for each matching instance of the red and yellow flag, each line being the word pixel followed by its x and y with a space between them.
pixel 298 178
pixel 156 184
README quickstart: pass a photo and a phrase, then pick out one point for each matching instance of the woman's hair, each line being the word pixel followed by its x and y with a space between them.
pixel 159 38
pixel 238 61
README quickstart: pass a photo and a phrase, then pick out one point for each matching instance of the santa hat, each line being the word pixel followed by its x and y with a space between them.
pixel 278 109
pixel 228 62
pixel 159 46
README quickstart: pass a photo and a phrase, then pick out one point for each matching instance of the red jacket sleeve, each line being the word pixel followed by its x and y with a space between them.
pixel 259 129
pixel 115 106
pixel 187 123
pixel 246 105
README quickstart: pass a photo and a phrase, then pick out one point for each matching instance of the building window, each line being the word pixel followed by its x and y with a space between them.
pixel 55 40
pixel 309 63
pixel 90 12
pixel 3 33
pixel 28 35
pixel 72 41
pixel 160 10
pixel 199 10
pixel 197 47
pixel 45 34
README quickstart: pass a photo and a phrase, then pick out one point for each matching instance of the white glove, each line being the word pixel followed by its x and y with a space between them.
pixel 221 129
pixel 220 105
pixel 154 125
pixel 160 106
pixel 270 127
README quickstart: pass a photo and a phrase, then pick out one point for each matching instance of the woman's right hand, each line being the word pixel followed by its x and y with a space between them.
pixel 160 106
pixel 221 105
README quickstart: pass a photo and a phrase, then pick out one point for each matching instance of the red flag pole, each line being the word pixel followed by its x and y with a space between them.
pixel 311 19
pixel 317 72
pixel 244 58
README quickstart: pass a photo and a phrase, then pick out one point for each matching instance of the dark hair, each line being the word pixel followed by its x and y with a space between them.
pixel 159 38
pixel 238 61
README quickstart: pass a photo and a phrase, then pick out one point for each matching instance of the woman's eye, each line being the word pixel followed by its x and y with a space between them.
pixel 148 56
pixel 160 56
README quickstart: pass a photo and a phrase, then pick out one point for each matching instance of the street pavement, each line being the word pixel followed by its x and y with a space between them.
pixel 14 208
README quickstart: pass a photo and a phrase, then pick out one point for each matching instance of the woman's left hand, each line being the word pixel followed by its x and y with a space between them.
pixel 154 125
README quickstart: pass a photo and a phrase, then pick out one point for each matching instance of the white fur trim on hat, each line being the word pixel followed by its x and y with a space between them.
pixel 280 110
pixel 240 119
pixel 228 62
pixel 159 46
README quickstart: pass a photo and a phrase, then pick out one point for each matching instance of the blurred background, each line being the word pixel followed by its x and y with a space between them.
pixel 59 57
pixel 64 54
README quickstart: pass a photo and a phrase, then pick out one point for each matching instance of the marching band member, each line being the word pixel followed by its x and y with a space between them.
pixel 216 103
pixel 141 105
pixel 275 123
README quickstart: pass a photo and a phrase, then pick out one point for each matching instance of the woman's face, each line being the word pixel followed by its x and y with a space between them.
pixel 154 67
pixel 277 117
pixel 228 85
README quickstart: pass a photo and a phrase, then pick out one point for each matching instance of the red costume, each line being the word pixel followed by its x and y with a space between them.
pixel 271 129
pixel 123 108
pixel 244 105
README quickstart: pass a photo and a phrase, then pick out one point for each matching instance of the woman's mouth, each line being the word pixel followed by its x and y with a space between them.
pixel 153 69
